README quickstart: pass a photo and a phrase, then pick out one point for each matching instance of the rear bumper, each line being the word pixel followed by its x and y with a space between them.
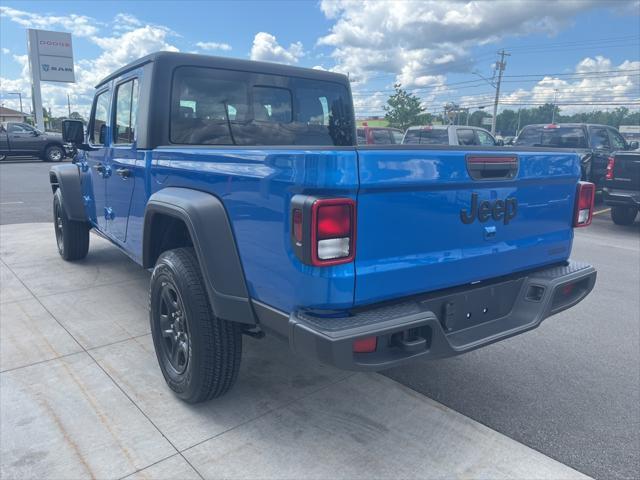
pixel 614 197
pixel 441 324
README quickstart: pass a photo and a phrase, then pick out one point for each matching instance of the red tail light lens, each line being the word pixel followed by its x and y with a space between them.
pixel 332 231
pixel 334 221
pixel 365 345
pixel 610 165
pixel 584 204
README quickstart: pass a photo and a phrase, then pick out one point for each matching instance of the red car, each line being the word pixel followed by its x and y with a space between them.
pixel 378 135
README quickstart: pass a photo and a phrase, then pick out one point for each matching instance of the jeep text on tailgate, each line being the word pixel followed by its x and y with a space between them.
pixel 240 184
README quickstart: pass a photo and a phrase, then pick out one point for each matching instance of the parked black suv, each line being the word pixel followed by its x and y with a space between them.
pixel 594 143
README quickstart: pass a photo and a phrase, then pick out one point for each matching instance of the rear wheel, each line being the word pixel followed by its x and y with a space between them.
pixel 53 153
pixel 622 215
pixel 72 237
pixel 199 354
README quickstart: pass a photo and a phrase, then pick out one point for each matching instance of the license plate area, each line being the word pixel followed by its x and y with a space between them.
pixel 474 306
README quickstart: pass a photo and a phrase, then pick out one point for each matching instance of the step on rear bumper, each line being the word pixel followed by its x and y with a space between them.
pixel 425 320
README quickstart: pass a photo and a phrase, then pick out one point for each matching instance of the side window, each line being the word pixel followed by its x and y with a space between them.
pixel 271 105
pixel 381 137
pixel 466 137
pixel 599 138
pixel 126 112
pixel 16 128
pixel 397 136
pixel 617 141
pixel 362 138
pixel 484 138
pixel 99 118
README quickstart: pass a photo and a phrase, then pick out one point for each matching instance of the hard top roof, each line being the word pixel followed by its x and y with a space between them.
pixel 175 59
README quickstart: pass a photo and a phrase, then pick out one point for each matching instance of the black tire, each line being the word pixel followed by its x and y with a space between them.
pixel 54 153
pixel 72 236
pixel 199 354
pixel 622 215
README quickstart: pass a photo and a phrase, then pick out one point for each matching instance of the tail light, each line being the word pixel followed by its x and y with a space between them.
pixel 585 195
pixel 323 230
pixel 610 165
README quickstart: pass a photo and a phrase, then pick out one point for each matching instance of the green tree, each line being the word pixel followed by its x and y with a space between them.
pixel 403 109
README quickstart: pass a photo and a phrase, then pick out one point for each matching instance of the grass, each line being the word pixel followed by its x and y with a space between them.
pixel 373 123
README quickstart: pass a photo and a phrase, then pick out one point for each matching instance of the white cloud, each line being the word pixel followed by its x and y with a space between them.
pixel 79 25
pixel 266 48
pixel 6 51
pixel 591 82
pixel 420 41
pixel 213 46
pixel 121 47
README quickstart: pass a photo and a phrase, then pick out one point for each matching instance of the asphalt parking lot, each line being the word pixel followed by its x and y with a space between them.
pixel 76 352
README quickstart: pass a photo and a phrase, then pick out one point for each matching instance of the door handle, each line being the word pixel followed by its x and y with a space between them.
pixel 123 172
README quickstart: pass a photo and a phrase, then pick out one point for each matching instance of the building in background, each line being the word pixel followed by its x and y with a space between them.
pixel 10 115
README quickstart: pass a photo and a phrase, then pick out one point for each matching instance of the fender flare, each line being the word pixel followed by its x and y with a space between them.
pixel 67 179
pixel 208 224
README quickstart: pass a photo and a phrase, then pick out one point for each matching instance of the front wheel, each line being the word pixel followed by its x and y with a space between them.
pixel 199 354
pixel 622 215
pixel 72 236
pixel 53 153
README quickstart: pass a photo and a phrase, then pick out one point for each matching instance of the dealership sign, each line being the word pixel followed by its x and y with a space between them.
pixel 51 53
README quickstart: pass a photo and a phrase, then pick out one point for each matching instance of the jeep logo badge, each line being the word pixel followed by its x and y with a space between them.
pixel 500 209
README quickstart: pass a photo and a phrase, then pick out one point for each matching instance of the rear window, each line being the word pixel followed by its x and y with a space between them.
pixel 222 107
pixel 427 137
pixel 560 137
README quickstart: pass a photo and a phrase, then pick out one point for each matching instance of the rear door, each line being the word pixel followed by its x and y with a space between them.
pixel 123 156
pixel 431 219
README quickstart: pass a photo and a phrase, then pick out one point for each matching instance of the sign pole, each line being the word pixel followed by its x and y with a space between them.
pixel 34 68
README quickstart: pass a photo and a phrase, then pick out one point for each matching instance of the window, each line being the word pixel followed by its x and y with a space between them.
pixel 362 138
pixel 397 136
pixel 126 111
pixel 100 116
pixel 427 136
pixel 221 107
pixel 381 137
pixel 617 140
pixel 599 138
pixel 17 128
pixel 271 105
pixel 484 138
pixel 558 137
pixel 466 137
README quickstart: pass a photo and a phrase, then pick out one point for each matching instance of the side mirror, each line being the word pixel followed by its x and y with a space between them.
pixel 499 143
pixel 633 145
pixel 73 131
pixel 35 133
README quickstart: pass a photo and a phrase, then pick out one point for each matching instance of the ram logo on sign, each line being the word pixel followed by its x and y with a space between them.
pixel 52 54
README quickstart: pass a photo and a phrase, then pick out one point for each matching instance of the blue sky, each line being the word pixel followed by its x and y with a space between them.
pixel 429 46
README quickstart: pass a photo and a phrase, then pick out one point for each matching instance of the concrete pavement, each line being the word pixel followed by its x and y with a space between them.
pixel 82 395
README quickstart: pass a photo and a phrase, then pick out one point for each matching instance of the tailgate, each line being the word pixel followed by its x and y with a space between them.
pixel 626 171
pixel 432 219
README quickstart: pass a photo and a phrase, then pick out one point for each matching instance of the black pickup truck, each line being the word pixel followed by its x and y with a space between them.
pixel 594 144
pixel 21 139
pixel 621 189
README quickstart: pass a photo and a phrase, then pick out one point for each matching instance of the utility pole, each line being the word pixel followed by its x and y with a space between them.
pixel 69 105
pixel 19 96
pixel 500 66
pixel 555 101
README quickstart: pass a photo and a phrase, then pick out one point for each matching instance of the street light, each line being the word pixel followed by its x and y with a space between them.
pixel 19 96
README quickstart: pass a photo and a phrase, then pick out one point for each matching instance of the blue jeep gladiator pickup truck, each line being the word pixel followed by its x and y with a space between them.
pixel 240 184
